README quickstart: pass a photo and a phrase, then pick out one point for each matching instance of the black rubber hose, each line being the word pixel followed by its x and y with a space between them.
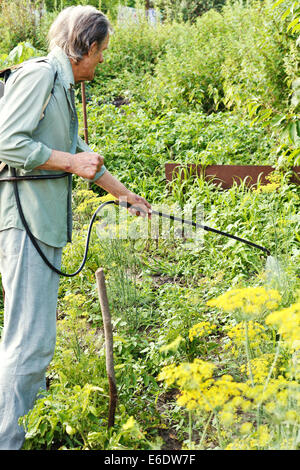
pixel 203 227
pixel 35 243
pixel 33 177
pixel 214 230
pixel 15 179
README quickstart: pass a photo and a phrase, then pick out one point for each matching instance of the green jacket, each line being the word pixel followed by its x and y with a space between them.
pixel 27 141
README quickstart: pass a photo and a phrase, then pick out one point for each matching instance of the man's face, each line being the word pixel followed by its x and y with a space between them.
pixel 85 69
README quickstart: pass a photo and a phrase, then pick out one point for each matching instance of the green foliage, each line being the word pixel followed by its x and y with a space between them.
pixel 257 60
pixel 186 10
pixel 20 22
pixel 291 13
pixel 185 93
pixel 133 51
pixel 225 59
pixel 188 74
pixel 284 121
pixel 127 133
pixel 22 52
pixel 109 7
pixel 65 417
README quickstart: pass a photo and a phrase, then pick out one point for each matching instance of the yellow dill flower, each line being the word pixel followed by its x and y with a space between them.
pixel 282 397
pixel 201 329
pixel 248 303
pixel 270 407
pixel 198 388
pixel 277 393
pixel 287 321
pixel 83 193
pixel 292 416
pixel 237 401
pixel 287 443
pixel 274 183
pixel 267 188
pixel 226 417
pixel 246 428
pixel 130 424
pixel 239 444
pixel 223 390
pixel 263 435
pixel 256 332
pixel 107 197
pixel 187 374
pixel 260 367
pixel 246 405
pixel 75 300
pixel 90 202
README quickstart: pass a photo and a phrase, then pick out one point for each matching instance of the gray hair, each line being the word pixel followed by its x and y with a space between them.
pixel 76 28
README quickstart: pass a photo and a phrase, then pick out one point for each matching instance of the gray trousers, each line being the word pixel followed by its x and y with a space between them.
pixel 29 333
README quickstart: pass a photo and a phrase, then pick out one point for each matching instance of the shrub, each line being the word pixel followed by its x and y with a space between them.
pixel 186 10
pixel 20 21
pixel 258 57
pixel 226 59
pixel 189 74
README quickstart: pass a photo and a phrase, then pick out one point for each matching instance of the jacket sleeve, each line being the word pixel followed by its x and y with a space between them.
pixel 27 90
pixel 82 146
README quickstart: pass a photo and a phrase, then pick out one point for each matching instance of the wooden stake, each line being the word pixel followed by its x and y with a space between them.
pixel 113 396
pixel 86 135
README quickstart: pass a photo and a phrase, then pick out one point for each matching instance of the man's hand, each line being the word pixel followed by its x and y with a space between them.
pixel 113 186
pixel 86 164
pixel 139 205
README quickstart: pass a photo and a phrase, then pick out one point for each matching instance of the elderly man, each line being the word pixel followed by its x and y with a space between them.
pixel 39 140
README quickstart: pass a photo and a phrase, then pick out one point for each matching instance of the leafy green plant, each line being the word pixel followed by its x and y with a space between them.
pixel 63 418
pixel 184 10
pixel 20 21
pixel 22 52
pixel 281 115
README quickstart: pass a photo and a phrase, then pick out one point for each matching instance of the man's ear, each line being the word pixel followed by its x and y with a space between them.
pixel 93 49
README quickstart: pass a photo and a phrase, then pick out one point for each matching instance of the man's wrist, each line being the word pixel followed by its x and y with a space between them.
pixel 59 161
pixel 70 160
pixel 126 195
pixel 65 159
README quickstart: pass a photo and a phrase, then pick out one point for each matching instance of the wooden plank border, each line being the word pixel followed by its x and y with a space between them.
pixel 226 175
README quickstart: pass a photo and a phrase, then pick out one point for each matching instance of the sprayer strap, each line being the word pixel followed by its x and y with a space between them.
pixel 5 73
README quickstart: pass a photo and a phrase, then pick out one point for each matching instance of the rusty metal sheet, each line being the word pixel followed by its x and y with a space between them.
pixel 226 175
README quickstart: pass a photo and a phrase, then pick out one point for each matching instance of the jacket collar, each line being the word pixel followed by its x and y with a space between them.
pixel 63 66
